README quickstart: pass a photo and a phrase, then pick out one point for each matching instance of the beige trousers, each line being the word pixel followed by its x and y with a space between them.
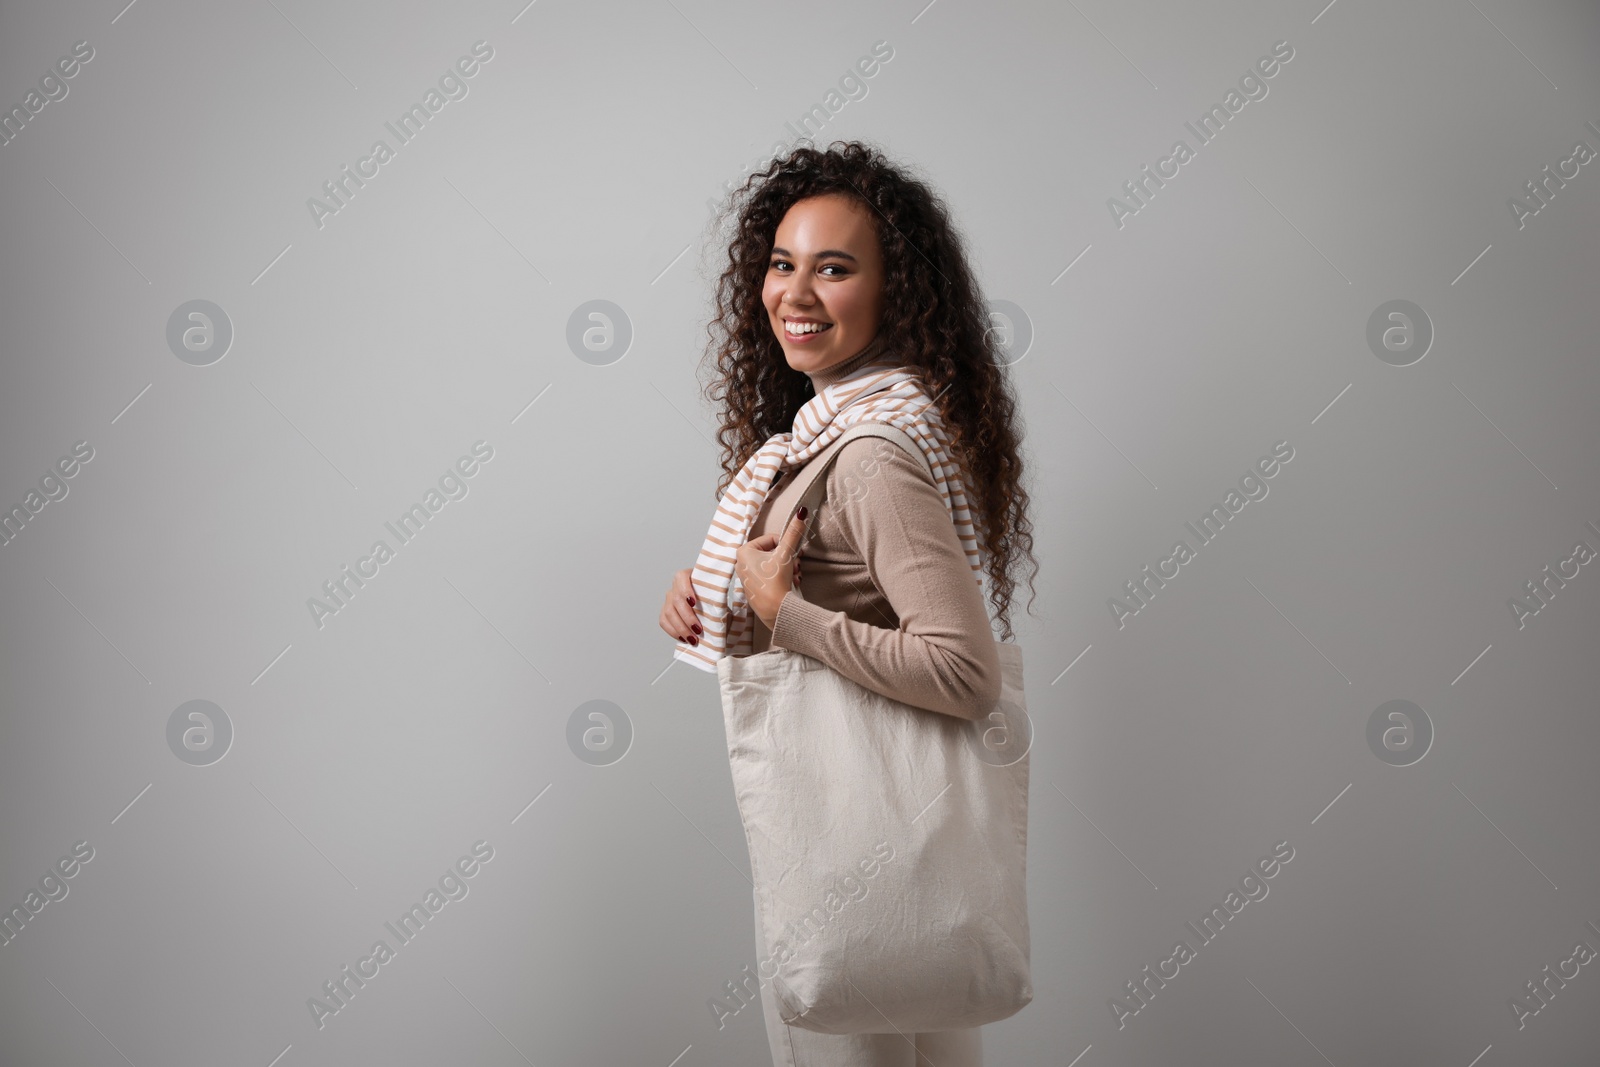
pixel 793 1047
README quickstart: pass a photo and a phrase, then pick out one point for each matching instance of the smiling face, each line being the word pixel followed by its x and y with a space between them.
pixel 826 270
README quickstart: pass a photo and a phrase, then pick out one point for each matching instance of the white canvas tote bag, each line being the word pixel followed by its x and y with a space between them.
pixel 888 843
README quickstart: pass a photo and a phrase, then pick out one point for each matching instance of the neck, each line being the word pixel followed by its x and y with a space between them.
pixel 825 377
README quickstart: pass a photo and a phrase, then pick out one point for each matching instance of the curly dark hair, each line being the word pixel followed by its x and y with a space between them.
pixel 934 319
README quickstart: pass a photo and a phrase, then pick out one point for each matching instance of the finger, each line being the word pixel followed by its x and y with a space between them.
pixel 687 621
pixel 789 544
pixel 679 605
pixel 765 543
pixel 671 627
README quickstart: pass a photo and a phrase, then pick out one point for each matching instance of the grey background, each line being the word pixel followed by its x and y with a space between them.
pixel 369 354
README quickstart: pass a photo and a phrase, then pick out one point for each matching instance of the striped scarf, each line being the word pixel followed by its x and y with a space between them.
pixel 875 392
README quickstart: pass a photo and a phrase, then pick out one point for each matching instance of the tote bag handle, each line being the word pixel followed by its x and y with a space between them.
pixel 812 474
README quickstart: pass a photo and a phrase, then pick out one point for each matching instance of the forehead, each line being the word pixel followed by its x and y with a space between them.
pixel 825 221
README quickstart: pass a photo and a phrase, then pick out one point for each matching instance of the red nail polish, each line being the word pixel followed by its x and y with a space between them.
pixel 803 512
pixel 697 629
pixel 691 602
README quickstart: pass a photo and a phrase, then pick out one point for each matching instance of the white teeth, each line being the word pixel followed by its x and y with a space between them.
pixel 806 327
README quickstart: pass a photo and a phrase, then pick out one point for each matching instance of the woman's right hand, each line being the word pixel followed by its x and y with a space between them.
pixel 678 616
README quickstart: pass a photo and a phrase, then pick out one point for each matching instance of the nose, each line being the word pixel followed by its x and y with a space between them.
pixel 798 291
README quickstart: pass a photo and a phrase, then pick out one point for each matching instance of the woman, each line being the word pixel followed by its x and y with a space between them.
pixel 848 298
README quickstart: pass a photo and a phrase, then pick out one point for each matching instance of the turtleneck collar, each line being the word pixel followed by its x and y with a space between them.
pixel 828 375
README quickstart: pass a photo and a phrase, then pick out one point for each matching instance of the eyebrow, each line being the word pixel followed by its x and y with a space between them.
pixel 824 254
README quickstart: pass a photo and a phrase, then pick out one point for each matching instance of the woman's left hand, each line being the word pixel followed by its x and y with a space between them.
pixel 768 567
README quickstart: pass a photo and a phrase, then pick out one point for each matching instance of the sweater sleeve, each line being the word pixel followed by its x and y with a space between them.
pixel 942 656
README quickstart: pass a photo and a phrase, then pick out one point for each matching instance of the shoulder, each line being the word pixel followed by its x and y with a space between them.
pixel 863 459
pixel 874 478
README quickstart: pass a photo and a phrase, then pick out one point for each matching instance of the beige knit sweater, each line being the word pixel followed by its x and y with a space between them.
pixel 887 596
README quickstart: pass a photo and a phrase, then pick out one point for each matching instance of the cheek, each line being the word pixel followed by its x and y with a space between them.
pixel 771 293
pixel 846 303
